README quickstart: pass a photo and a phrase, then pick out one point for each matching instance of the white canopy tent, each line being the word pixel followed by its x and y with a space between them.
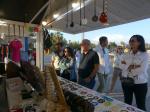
pixel 119 12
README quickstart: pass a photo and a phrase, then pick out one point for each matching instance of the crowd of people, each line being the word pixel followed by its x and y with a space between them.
pixel 87 64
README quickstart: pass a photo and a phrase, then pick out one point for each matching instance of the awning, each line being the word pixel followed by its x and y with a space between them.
pixel 21 10
pixel 119 12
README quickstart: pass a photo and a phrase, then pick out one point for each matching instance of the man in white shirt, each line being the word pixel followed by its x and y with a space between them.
pixel 104 60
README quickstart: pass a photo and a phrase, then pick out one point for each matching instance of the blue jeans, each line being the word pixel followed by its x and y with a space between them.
pixel 89 85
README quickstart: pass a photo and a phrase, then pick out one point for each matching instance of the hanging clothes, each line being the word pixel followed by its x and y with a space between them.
pixel 47 39
pixel 4 52
pixel 15 47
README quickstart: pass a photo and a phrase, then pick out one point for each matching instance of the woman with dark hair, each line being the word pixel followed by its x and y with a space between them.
pixel 134 72
pixel 67 65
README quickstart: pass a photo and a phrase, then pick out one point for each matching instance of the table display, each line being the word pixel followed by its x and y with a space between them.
pixel 96 102
pixel 48 95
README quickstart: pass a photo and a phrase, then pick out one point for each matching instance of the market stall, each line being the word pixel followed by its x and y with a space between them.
pixel 24 88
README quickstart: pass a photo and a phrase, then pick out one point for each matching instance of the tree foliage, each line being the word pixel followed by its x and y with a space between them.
pixel 112 45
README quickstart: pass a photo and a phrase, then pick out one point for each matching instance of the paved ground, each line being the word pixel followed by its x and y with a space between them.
pixel 118 89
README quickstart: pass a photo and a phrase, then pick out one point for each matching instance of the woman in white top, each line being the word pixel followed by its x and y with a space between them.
pixel 117 71
pixel 135 65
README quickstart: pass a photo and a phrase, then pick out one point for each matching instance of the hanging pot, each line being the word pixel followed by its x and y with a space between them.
pixel 95 18
pixel 84 21
pixel 72 24
pixel 103 18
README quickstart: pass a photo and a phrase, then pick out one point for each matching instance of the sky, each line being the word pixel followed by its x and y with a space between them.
pixel 116 33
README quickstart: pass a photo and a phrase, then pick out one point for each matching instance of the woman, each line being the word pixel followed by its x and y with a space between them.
pixel 134 66
pixel 117 71
pixel 67 65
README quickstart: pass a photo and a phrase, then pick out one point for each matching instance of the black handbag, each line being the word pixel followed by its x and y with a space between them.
pixel 127 81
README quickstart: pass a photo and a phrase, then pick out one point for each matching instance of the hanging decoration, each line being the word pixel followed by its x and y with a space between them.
pixel 67 13
pixel 37 29
pixel 72 23
pixel 95 17
pixel 84 20
pixel 80 14
pixel 30 29
pixel 103 17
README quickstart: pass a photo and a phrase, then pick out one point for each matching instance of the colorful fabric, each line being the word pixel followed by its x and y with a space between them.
pixel 100 102
pixel 15 47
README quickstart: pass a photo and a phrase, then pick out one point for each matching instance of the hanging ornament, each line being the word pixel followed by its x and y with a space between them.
pixel 36 29
pixel 80 14
pixel 84 20
pixel 95 17
pixel 30 29
pixel 67 14
pixel 72 23
pixel 103 17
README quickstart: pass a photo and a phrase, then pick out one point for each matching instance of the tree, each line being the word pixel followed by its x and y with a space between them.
pixel 112 45
pixel 57 37
pixel 123 43
pixel 74 45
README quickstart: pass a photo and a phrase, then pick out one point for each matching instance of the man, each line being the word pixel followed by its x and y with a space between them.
pixel 104 60
pixel 56 56
pixel 88 66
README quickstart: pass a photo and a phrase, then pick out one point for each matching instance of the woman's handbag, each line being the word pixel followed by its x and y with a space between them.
pixel 127 81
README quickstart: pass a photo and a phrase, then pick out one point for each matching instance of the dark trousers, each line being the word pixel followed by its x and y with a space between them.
pixel 139 90
pixel 89 85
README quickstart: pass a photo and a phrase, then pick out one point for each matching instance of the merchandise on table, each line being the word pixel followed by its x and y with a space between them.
pixel 97 102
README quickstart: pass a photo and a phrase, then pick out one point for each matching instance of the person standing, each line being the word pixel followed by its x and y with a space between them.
pixel 117 72
pixel 104 60
pixel 134 67
pixel 57 56
pixel 89 64
pixel 67 65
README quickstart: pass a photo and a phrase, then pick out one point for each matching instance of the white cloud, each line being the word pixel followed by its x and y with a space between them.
pixel 112 38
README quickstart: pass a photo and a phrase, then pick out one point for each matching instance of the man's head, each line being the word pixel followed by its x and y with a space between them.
pixel 103 41
pixel 85 45
pixel 58 46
